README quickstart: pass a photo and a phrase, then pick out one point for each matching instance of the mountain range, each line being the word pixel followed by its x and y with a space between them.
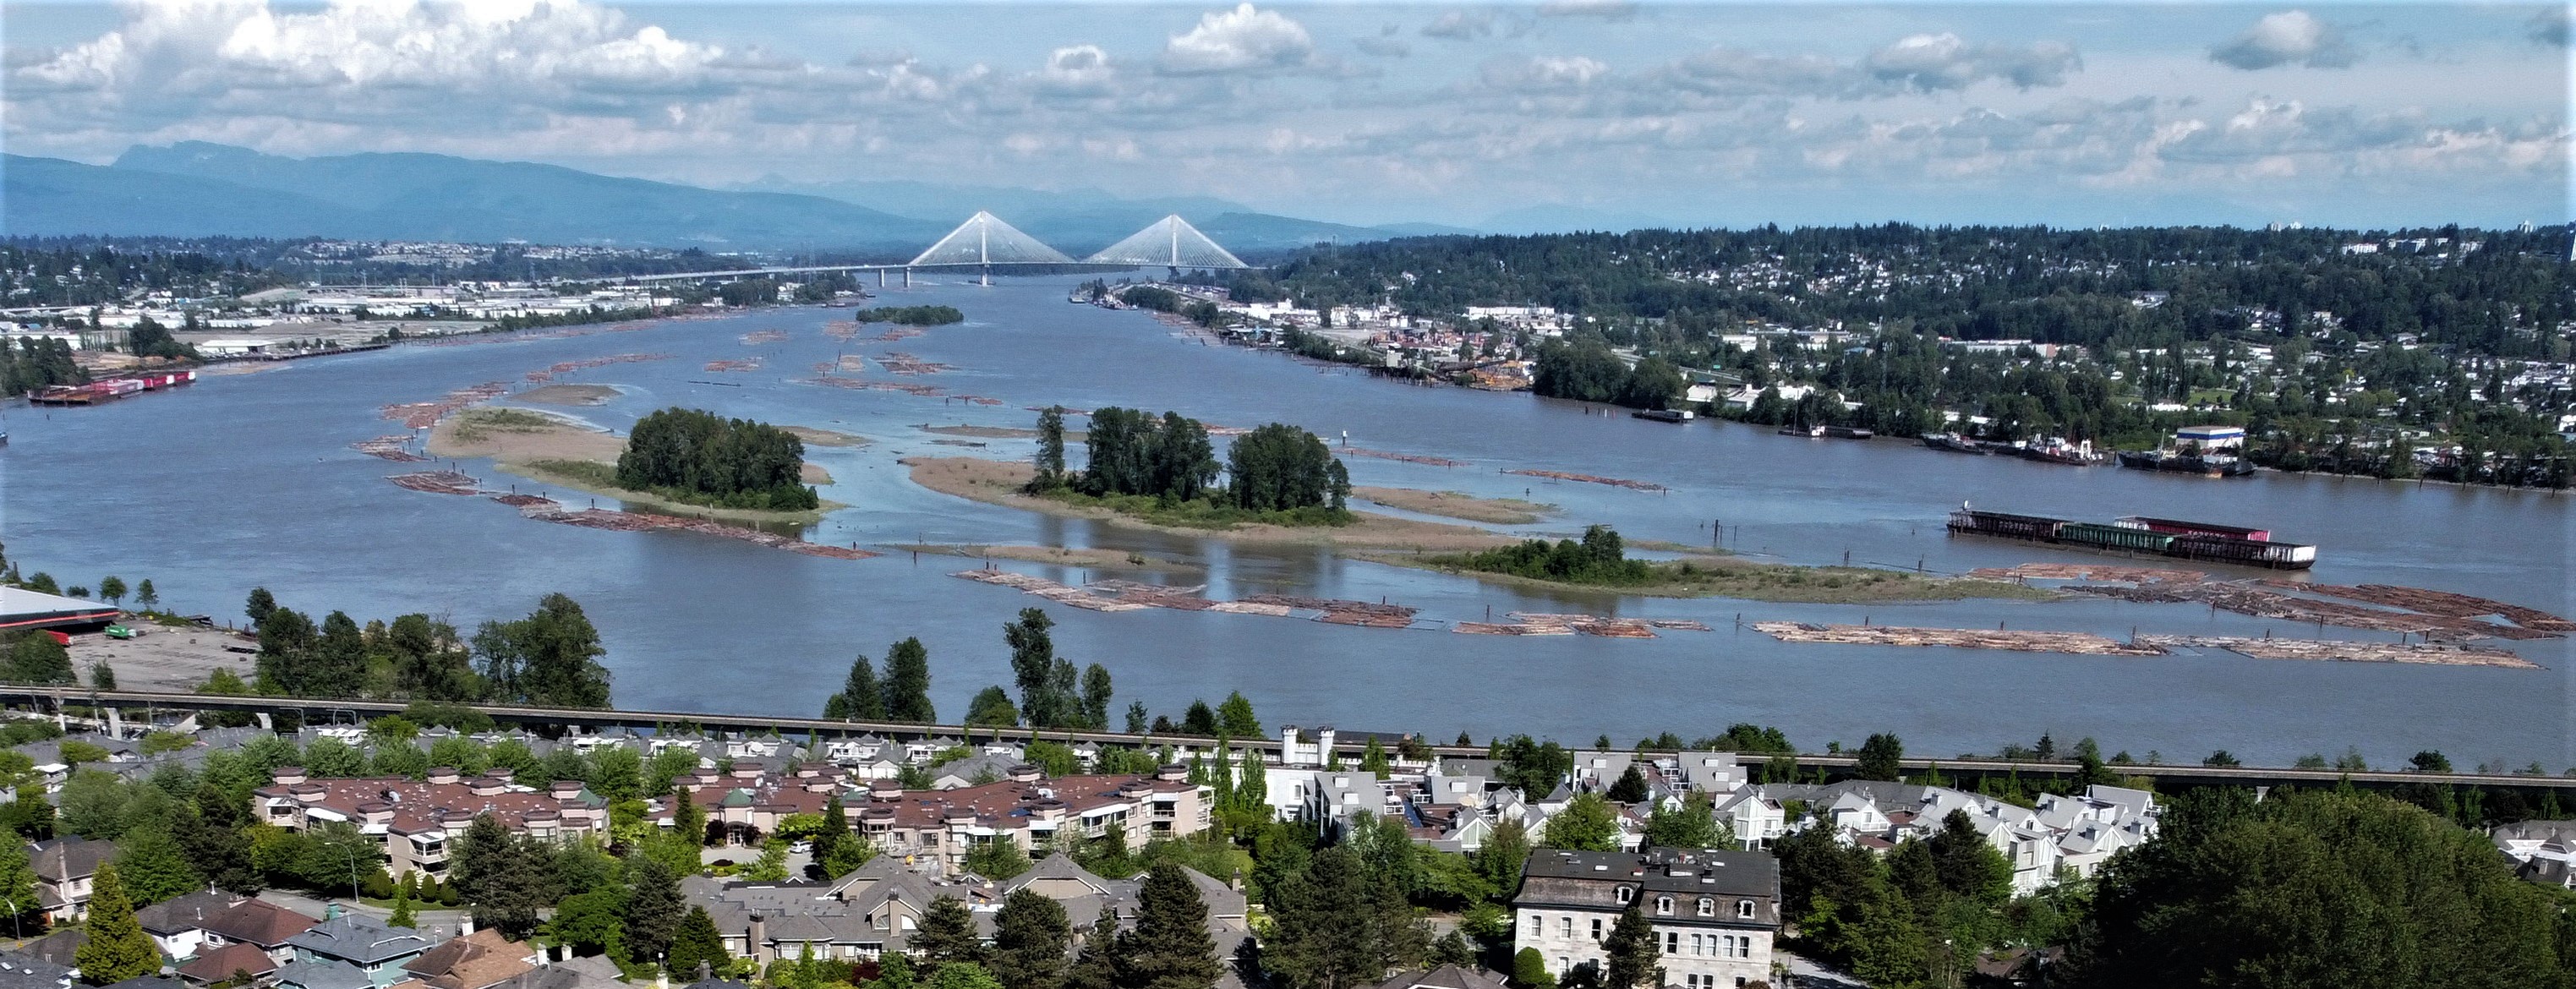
pixel 196 188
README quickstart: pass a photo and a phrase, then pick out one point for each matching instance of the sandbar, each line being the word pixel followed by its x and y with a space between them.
pixel 1734 577
pixel 1088 557
pixel 567 395
pixel 812 436
pixel 542 446
pixel 1452 504
pixel 998 482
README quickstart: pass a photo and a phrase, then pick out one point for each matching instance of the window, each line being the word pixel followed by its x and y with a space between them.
pixel 1596 928
pixel 1538 925
pixel 1744 909
pixel 1696 948
pixel 1565 926
pixel 1626 894
pixel 1664 905
pixel 1672 942
pixel 1707 907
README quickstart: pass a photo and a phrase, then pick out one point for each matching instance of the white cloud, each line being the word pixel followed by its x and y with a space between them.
pixel 1538 73
pixel 1078 70
pixel 1944 61
pixel 2285 38
pixel 1460 25
pixel 1242 40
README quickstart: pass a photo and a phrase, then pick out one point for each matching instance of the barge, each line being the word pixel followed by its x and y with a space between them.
pixel 110 389
pixel 1663 415
pixel 2138 535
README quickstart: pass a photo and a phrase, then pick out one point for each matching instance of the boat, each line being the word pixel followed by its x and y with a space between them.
pixel 1848 432
pixel 2186 463
pixel 1663 415
pixel 2138 535
pixel 2208 451
pixel 1955 443
pixel 1811 432
pixel 2056 450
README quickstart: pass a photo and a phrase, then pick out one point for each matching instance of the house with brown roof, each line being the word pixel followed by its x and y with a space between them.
pixel 178 924
pixel 416 821
pixel 261 925
pixel 220 964
pixel 480 960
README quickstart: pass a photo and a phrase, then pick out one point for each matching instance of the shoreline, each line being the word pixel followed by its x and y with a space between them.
pixel 522 451
pixel 997 482
pixel 1458 505
pixel 1774 583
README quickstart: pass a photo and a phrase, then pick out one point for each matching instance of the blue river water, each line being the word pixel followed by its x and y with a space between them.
pixel 248 480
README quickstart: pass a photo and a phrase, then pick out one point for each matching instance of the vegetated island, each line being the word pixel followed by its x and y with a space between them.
pixel 1087 557
pixel 1164 471
pixel 1457 505
pixel 1599 562
pixel 552 449
pixel 1001 482
pixel 568 395
pixel 910 315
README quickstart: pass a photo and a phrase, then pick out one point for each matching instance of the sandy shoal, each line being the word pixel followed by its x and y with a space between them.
pixel 997 482
pixel 1451 504
pixel 523 450
pixel 1089 557
pixel 567 395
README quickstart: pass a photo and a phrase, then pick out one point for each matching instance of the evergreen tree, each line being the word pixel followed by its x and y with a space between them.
pixel 117 948
pixel 654 906
pixel 1169 947
pixel 403 916
pixel 1630 787
pixel 1326 929
pixel 1096 965
pixel 907 684
pixel 153 866
pixel 1529 971
pixel 862 698
pixel 213 839
pixel 1050 461
pixel 1235 718
pixel 260 606
pixel 1201 721
pixel 1632 950
pixel 17 876
pixel 1030 937
pixel 1967 864
pixel 838 851
pixel 502 876
pixel 1879 756
pixel 548 659
pixel 697 943
pixel 947 934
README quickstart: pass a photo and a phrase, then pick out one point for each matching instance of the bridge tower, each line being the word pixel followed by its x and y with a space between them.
pixel 982 242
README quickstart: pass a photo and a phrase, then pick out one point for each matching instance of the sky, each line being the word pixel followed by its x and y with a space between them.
pixel 1482 115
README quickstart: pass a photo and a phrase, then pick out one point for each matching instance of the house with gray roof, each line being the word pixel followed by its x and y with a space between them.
pixel 64 867
pixel 1714 912
pixel 360 943
pixel 19 970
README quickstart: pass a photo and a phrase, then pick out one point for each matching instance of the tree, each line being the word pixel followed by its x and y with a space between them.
pixel 1503 855
pixel 1201 721
pixel 1630 787
pixel 146 596
pixel 1097 692
pixel 1169 947
pixel 502 875
pixel 1235 718
pixel 1693 824
pixel 111 588
pixel 403 916
pixel 548 659
pixel 653 906
pixel 102 676
pixel 1278 467
pixel 697 943
pixel 1587 824
pixel 1631 949
pixel 37 658
pixel 1030 938
pixel 991 708
pixel 1529 971
pixel 1879 757
pixel 1050 459
pixel 947 933
pixel 153 865
pixel 965 975
pixel 998 859
pixel 703 458
pixel 907 683
pixel 861 698
pixel 117 948
pixel 837 850
pixel 1341 923
pixel 260 606
pixel 17 877
pixel 1136 718
pixel 1968 864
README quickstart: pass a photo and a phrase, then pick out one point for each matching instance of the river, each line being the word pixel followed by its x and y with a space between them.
pixel 244 480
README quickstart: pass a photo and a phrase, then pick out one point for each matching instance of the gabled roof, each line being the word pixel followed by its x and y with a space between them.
pixel 186 912
pixel 24 971
pixel 1444 977
pixel 475 961
pixel 221 963
pixel 325 974
pixel 259 922
pixel 1059 867
pixel 359 940
pixel 63 859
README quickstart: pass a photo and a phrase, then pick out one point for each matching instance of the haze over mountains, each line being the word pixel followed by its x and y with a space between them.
pixel 202 189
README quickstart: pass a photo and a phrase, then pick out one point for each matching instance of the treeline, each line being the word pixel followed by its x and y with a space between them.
pixel 89 273
pixel 911 315
pixel 1585 370
pixel 548 659
pixel 34 363
pixel 1199 311
pixel 699 457
pixel 1277 472
pixel 581 317
pixel 1601 558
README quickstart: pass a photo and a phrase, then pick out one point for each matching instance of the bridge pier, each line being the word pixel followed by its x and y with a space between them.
pixel 880 278
pixel 907 277
pixel 115 722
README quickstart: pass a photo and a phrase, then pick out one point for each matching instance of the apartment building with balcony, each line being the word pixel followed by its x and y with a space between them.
pixel 416 822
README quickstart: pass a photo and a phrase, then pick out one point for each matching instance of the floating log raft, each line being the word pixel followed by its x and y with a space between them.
pixel 422 415
pixel 553 371
pixel 2347 652
pixel 2443 603
pixel 392 448
pixel 903 363
pixel 1410 458
pixel 2090 571
pixel 438 482
pixel 765 336
pixel 2078 643
pixel 749 365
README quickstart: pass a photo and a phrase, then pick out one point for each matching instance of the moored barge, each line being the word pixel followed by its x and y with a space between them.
pixel 2144 536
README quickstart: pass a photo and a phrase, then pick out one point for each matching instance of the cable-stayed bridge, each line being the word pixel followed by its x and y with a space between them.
pixel 984 242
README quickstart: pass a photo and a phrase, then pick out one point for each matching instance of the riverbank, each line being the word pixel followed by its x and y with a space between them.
pixel 1733 577
pixel 1452 504
pixel 551 449
pixel 996 482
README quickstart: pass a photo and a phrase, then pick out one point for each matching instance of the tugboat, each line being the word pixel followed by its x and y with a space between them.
pixel 1955 443
pixel 2055 450
pixel 2209 451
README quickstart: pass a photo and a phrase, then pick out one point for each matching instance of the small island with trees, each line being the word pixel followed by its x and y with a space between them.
pixel 676 461
pixel 1164 470
pixel 1600 561
pixel 911 315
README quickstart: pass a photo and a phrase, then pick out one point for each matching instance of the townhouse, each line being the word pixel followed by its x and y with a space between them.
pixel 2064 834
pixel 415 823
pixel 1714 913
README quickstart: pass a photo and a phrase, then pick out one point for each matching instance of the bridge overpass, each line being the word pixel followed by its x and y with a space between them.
pixel 1350 747
pixel 985 242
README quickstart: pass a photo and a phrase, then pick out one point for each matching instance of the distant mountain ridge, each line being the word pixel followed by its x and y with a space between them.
pixel 201 189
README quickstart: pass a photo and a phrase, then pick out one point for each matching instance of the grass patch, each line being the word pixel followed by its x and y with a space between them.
pixel 474 424
pixel 1199 513
pixel 589 472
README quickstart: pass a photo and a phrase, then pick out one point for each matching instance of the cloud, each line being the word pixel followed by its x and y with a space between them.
pixel 1460 25
pixel 1384 47
pixel 1242 40
pixel 1542 73
pixel 2285 38
pixel 1077 70
pixel 1613 10
pixel 1943 61
pixel 1740 72
pixel 2549 27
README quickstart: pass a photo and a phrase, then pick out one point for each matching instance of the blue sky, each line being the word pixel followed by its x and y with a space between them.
pixel 1470 114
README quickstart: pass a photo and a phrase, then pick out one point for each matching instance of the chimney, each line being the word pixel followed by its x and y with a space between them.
pixel 704 971
pixel 331 911
pixel 759 937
